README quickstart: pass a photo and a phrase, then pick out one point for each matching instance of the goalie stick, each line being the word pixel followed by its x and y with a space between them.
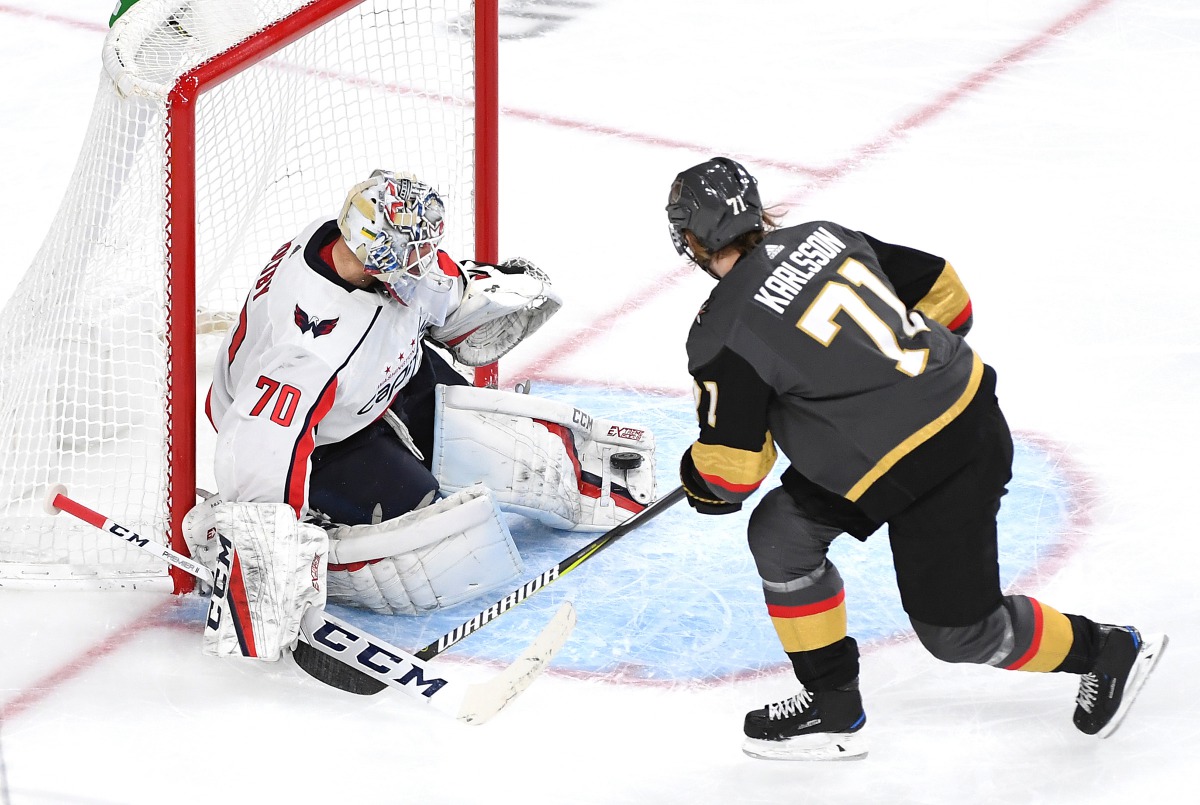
pixel 364 653
pixel 345 678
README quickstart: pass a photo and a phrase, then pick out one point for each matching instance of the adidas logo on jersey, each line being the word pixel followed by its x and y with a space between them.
pixel 788 279
pixel 772 250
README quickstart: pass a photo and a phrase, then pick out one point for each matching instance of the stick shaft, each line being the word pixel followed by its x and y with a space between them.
pixel 341 640
pixel 78 510
pixel 367 654
pixel 549 576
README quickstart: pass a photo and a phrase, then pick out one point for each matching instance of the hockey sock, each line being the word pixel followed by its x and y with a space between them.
pixel 827 668
pixel 1085 646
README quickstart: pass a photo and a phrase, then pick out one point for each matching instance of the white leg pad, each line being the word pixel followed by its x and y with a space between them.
pixel 269 569
pixel 453 550
pixel 543 459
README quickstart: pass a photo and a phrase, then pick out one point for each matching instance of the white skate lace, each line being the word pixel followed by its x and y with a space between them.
pixel 1089 686
pixel 790 706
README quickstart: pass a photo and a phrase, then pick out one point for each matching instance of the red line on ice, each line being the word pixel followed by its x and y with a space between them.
pixel 88 658
pixel 543 367
pixel 39 690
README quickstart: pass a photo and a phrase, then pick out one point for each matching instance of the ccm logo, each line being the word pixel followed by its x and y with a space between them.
pixel 358 650
pixel 633 434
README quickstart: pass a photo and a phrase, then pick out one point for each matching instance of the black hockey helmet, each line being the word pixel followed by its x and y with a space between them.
pixel 717 201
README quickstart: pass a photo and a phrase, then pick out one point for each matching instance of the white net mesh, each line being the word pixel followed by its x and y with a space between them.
pixel 85 397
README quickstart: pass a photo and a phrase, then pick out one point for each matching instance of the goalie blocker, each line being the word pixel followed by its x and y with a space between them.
pixel 546 460
pixel 267 569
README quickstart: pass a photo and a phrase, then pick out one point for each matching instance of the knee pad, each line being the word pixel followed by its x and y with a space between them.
pixel 784 542
pixel 988 641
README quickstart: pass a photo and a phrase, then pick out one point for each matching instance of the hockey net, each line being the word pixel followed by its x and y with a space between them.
pixel 220 129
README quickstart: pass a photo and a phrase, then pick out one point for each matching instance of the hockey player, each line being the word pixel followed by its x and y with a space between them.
pixel 357 466
pixel 848 353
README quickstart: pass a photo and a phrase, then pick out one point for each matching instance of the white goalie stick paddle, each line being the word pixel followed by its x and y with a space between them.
pixel 365 653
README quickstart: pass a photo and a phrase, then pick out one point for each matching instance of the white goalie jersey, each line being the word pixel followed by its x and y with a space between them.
pixel 310 350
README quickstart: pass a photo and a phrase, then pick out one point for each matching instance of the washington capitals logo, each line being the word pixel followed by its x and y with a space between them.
pixel 319 327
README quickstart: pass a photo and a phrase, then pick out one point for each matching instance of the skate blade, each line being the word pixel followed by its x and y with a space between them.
pixel 1151 652
pixel 819 746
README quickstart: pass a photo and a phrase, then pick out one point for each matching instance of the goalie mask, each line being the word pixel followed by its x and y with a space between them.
pixel 393 223
pixel 717 201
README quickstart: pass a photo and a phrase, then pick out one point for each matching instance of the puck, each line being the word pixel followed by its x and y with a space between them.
pixel 625 461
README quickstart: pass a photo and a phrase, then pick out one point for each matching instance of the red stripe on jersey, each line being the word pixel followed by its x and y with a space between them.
pixel 239 608
pixel 1035 642
pixel 298 474
pixel 239 335
pixel 833 602
pixel 961 317
pixel 208 407
pixel 718 481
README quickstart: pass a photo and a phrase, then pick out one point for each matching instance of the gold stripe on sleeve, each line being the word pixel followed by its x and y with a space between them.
pixel 736 469
pixel 946 299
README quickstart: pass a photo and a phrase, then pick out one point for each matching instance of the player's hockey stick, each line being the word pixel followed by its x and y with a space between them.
pixel 365 653
pixel 558 571
pixel 339 676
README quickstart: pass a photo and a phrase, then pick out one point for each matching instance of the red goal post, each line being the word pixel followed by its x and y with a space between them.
pixel 221 127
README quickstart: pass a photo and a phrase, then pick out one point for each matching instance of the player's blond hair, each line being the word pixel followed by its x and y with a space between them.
pixel 744 243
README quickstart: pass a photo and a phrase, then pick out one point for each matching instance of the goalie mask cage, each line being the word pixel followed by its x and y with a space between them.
pixel 220 129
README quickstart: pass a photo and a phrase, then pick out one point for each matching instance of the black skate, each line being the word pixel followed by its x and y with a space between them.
pixel 821 725
pixel 1107 691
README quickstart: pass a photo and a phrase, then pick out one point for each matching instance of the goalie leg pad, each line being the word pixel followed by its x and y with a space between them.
pixel 546 460
pixel 268 569
pixel 453 550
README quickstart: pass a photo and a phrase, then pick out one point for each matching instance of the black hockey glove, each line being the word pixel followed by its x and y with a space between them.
pixel 699 496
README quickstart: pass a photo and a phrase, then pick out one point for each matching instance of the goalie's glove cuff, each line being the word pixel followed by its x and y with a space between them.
pixel 699 496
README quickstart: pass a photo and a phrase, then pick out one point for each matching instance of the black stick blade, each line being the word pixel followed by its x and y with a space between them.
pixel 326 669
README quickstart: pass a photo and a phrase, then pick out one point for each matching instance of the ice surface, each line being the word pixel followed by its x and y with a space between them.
pixel 1045 148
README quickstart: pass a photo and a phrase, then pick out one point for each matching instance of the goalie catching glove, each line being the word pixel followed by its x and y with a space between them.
pixel 543 459
pixel 501 306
